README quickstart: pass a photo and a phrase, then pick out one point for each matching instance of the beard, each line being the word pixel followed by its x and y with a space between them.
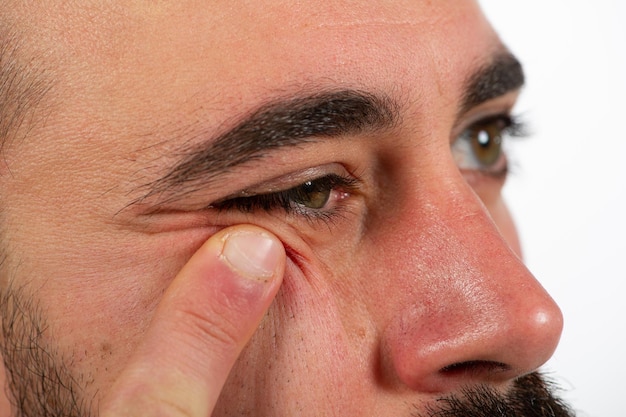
pixel 531 396
pixel 38 380
pixel 40 383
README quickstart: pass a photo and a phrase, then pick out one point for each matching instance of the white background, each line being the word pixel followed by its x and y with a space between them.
pixel 568 187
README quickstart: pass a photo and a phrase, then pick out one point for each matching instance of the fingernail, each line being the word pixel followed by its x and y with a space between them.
pixel 254 255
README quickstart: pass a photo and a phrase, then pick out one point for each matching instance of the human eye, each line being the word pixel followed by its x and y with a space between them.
pixel 318 198
pixel 481 146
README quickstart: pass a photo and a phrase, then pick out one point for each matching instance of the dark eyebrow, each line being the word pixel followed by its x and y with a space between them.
pixel 501 75
pixel 281 123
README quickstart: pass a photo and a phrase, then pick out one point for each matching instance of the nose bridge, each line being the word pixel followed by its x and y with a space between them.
pixel 470 310
pixel 447 231
pixel 466 268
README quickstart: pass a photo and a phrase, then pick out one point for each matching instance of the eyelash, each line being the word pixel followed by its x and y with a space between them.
pixel 513 125
pixel 290 200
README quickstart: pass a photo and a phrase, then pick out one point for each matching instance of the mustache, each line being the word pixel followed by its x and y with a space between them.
pixel 532 395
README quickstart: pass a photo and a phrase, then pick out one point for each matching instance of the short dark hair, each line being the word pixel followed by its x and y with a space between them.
pixel 22 85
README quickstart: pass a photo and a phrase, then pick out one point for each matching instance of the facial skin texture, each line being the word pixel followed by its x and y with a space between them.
pixel 407 290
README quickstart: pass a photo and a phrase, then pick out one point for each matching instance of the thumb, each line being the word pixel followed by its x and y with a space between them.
pixel 205 318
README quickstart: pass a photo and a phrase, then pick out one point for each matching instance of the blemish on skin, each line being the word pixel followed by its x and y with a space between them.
pixel 106 349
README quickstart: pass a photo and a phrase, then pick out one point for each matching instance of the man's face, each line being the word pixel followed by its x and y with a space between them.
pixel 363 134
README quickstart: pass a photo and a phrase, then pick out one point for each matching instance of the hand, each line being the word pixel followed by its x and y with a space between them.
pixel 204 320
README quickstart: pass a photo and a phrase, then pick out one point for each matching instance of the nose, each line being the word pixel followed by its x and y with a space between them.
pixel 469 311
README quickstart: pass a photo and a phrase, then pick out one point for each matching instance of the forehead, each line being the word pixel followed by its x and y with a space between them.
pixel 137 80
pixel 246 47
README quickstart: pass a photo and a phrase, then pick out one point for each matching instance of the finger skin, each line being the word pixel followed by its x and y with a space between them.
pixel 205 318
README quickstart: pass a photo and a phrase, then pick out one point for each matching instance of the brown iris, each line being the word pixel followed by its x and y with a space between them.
pixel 486 141
pixel 312 195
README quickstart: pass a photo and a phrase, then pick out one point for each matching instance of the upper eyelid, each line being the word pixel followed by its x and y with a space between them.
pixel 291 180
pixel 501 105
pixel 516 125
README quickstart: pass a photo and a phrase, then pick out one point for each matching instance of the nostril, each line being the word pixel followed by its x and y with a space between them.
pixel 475 368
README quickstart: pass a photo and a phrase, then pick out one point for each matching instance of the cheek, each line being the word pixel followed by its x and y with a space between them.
pixel 308 341
pixel 325 285
pixel 96 300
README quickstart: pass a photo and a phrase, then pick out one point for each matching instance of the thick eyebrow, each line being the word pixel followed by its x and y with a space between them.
pixel 279 124
pixel 502 75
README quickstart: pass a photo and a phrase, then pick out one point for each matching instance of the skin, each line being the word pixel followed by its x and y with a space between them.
pixel 421 271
